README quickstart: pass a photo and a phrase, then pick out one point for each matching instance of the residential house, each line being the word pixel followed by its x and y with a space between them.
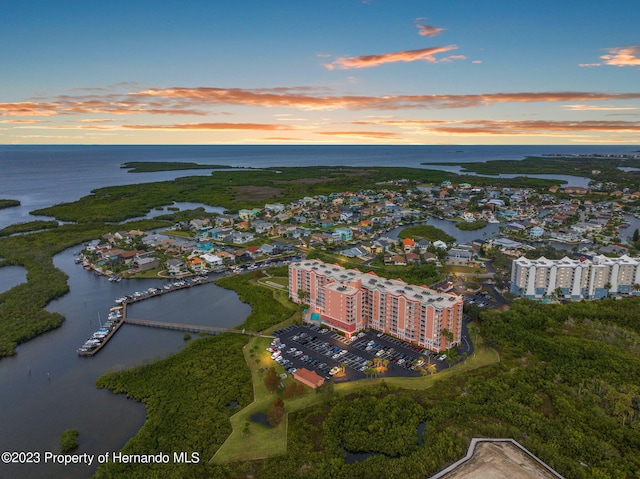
pixel 212 260
pixel 175 266
pixel 267 249
pixel 395 260
pixel 197 264
pixel 413 258
pixel 238 237
pixel 423 244
pixel 261 226
pixel 408 244
pixel 248 214
pixel 145 263
pixel 274 207
pixel 345 234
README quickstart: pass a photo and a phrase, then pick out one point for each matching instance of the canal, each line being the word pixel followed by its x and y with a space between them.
pixel 47 388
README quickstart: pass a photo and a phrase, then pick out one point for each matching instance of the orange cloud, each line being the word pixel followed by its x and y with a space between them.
pixel 263 98
pixel 504 127
pixel 196 101
pixel 177 126
pixel 623 56
pixel 366 61
pixel 212 126
pixel 23 121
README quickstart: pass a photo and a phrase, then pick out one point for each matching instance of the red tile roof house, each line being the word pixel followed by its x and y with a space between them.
pixel 309 378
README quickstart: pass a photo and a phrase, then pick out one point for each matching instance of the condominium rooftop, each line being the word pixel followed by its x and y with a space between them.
pixel 566 261
pixel 371 281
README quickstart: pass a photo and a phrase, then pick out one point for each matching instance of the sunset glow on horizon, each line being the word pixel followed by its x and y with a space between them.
pixel 312 72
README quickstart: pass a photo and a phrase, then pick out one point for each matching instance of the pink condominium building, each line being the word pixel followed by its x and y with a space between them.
pixel 350 301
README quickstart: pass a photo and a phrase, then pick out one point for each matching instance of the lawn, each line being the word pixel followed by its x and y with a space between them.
pixel 257 441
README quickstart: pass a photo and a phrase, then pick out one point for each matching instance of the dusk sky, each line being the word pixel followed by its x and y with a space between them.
pixel 320 72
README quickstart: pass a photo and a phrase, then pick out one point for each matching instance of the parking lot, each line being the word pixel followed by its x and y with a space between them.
pixel 325 351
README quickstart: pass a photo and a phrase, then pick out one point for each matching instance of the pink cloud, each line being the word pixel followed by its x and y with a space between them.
pixel 366 61
pixel 428 30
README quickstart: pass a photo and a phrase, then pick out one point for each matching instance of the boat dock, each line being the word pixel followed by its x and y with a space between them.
pixel 116 320
pixel 117 324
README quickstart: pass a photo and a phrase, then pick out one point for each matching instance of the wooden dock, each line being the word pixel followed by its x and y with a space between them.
pixel 194 328
pixel 117 326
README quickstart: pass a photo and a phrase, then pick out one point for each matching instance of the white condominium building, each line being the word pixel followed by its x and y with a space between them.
pixel 574 278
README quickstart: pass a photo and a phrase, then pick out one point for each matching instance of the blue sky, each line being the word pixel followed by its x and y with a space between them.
pixel 315 72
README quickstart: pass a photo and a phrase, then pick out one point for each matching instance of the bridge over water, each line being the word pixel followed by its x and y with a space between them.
pixel 193 328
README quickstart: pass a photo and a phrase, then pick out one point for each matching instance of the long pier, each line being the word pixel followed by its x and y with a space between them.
pixel 194 328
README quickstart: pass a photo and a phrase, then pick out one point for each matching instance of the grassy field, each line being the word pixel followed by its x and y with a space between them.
pixel 250 440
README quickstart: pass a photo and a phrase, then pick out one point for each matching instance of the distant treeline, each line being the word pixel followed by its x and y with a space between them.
pixel 151 166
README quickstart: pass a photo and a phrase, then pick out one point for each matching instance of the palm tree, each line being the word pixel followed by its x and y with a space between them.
pixel 431 368
pixel 449 336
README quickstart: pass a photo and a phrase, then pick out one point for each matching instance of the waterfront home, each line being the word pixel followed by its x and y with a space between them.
pixel 227 257
pixel 197 264
pixel 175 266
pixel 145 263
pixel 212 259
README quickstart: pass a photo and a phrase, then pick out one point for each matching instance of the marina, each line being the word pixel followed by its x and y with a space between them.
pixel 118 316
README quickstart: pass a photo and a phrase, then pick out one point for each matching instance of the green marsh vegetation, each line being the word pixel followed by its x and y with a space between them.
pixel 268 306
pixel 69 441
pixel 189 399
pixel 428 232
pixel 28 227
pixel 8 203
pixel 470 225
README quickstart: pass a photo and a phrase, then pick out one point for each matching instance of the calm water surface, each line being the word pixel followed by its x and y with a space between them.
pixel 11 276
pixel 47 388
